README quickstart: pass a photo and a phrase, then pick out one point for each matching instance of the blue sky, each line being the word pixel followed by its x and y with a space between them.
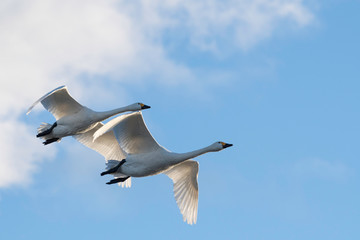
pixel 278 79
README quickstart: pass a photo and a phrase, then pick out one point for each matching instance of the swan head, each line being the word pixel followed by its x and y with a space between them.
pixel 138 106
pixel 218 146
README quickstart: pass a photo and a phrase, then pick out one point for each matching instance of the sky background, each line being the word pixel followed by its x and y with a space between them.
pixel 279 79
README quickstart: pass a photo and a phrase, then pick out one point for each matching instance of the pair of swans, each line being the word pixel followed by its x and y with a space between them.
pixel 130 150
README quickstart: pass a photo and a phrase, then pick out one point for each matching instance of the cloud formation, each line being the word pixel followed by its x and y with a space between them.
pixel 242 23
pixel 20 154
pixel 45 44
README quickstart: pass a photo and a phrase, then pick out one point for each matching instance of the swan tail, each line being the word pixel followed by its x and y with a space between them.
pixel 44 127
pixel 111 164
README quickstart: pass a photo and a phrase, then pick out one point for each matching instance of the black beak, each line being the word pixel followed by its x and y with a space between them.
pixel 227 145
pixel 145 107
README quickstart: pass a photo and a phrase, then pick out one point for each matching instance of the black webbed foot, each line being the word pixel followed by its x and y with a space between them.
pixel 48 131
pixel 116 180
pixel 114 169
pixel 48 141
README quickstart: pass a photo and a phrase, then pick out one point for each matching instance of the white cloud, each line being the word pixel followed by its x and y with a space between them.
pixel 241 22
pixel 20 154
pixel 45 44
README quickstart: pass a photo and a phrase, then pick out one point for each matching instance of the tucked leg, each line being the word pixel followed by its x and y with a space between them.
pixel 116 180
pixel 48 131
pixel 48 141
pixel 114 169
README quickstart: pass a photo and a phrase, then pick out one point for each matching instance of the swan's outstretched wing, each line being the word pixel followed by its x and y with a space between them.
pixel 58 102
pixel 184 177
pixel 106 144
pixel 132 134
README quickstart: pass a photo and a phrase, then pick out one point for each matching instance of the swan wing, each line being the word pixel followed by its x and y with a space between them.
pixel 132 134
pixel 106 144
pixel 184 177
pixel 59 103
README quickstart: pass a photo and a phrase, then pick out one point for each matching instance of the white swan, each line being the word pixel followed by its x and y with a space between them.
pixel 137 154
pixel 71 117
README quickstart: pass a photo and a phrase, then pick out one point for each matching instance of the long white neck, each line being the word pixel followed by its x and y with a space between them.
pixel 106 114
pixel 180 157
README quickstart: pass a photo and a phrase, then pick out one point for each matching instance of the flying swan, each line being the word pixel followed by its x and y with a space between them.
pixel 131 151
pixel 71 117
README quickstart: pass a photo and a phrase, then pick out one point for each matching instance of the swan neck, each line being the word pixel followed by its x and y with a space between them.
pixel 185 156
pixel 106 114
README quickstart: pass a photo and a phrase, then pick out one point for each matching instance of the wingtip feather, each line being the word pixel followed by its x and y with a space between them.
pixel 43 97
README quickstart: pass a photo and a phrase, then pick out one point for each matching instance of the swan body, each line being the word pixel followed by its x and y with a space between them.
pixel 71 117
pixel 156 162
pixel 131 151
